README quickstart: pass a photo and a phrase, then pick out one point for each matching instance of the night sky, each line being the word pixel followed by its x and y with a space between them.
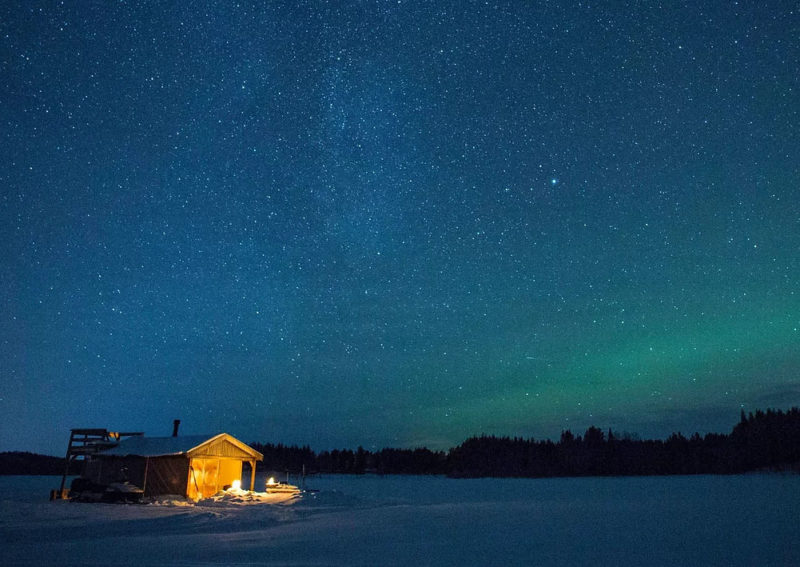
pixel 396 223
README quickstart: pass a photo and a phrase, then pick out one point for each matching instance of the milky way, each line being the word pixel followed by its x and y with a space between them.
pixel 396 223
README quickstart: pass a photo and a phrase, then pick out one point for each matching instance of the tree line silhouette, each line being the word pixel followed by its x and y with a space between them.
pixel 25 463
pixel 764 440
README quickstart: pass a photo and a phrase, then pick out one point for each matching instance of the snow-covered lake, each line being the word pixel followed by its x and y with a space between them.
pixel 368 520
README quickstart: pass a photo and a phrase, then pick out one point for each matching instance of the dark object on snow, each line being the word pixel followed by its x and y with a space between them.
pixel 84 490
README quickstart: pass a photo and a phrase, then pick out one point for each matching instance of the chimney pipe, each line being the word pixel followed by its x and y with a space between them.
pixel 175 425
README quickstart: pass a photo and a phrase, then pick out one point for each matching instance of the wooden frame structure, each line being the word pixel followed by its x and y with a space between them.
pixel 83 443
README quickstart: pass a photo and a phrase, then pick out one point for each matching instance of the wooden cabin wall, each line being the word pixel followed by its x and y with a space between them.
pixel 167 475
pixel 107 470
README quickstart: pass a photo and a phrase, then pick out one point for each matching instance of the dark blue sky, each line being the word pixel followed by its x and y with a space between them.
pixel 396 223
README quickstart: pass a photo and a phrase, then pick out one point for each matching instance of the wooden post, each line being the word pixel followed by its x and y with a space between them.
pixel 252 474
pixel 190 480
pixel 144 482
pixel 67 461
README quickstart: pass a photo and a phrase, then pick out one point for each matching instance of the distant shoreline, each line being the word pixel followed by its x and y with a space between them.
pixel 764 441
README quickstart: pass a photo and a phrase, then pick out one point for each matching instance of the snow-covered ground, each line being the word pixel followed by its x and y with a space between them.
pixel 705 520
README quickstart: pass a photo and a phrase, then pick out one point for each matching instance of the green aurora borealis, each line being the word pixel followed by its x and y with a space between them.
pixel 394 224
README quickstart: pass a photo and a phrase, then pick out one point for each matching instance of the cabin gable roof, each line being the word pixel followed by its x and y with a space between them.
pixel 193 446
pixel 224 445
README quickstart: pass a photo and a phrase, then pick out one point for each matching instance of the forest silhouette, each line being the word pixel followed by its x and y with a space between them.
pixel 764 440
pixel 761 441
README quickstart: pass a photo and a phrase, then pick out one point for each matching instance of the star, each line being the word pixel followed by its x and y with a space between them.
pixel 309 225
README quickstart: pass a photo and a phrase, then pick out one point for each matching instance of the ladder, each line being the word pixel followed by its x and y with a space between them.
pixel 83 443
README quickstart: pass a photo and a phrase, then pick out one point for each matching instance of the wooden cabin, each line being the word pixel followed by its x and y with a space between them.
pixel 192 466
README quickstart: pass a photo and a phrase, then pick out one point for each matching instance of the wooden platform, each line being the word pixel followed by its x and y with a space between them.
pixel 84 442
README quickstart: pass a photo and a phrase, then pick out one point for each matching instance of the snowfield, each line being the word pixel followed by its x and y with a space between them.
pixel 368 520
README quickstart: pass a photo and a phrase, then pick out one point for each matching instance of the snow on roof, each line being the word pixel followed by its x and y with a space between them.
pixel 157 446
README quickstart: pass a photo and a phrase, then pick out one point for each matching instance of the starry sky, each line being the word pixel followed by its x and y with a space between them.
pixel 396 223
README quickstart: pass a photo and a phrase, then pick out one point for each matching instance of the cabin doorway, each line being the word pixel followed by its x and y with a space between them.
pixel 203 478
pixel 207 476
